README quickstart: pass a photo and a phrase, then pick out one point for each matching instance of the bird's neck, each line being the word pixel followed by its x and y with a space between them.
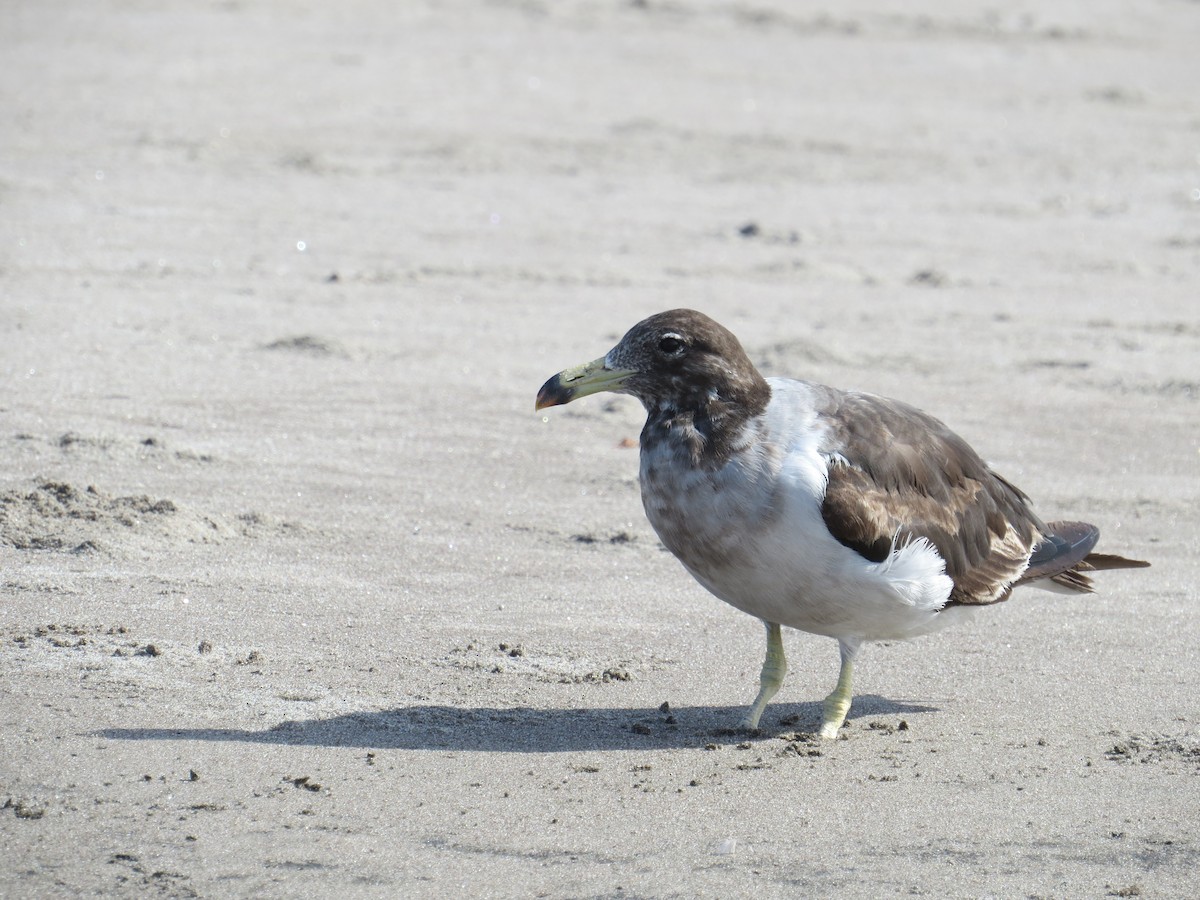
pixel 706 426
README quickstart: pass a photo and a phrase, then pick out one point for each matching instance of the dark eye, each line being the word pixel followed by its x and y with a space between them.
pixel 671 344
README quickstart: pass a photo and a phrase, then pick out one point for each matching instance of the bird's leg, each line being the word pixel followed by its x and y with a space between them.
pixel 837 704
pixel 773 669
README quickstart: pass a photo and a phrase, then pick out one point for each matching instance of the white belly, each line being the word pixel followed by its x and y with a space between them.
pixel 753 535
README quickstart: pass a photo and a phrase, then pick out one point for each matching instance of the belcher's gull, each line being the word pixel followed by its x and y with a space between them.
pixel 835 512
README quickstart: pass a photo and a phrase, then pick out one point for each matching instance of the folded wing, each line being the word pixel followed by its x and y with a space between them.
pixel 896 474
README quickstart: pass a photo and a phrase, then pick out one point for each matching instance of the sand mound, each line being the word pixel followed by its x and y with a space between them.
pixel 58 516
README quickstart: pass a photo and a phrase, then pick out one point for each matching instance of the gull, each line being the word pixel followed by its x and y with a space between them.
pixel 838 513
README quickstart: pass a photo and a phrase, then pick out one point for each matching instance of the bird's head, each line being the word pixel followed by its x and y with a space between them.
pixel 675 360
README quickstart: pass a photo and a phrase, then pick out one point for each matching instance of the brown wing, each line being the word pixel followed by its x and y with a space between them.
pixel 897 474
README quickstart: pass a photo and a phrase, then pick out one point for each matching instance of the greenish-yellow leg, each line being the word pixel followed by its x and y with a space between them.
pixel 837 704
pixel 773 669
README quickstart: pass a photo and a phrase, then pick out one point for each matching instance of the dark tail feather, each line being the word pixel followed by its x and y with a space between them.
pixel 1065 554
pixel 1064 547
pixel 1100 561
pixel 1075 580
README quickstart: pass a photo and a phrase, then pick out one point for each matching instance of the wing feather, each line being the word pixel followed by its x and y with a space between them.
pixel 899 474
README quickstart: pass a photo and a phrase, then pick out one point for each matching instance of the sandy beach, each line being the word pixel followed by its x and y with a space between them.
pixel 300 597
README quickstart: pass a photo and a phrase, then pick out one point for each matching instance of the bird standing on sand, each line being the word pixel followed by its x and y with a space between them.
pixel 835 512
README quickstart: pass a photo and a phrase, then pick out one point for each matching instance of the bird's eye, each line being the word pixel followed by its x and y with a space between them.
pixel 671 344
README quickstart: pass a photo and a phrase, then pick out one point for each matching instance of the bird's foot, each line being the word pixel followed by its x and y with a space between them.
pixel 769 680
pixel 749 724
pixel 837 704
pixel 829 730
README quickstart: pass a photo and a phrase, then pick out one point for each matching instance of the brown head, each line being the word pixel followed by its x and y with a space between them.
pixel 676 360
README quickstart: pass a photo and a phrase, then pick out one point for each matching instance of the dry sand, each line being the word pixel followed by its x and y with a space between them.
pixel 299 596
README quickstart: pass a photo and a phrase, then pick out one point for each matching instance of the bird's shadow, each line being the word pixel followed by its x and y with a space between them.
pixel 522 729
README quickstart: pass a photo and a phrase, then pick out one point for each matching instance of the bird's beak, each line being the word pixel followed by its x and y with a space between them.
pixel 571 384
